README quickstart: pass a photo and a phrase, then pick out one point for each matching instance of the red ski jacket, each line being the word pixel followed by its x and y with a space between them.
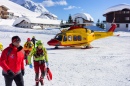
pixel 12 59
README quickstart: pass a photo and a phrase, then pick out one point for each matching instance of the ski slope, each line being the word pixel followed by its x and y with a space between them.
pixel 107 64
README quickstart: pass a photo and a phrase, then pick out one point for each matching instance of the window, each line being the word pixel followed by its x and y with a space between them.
pixel 69 38
pixel 127 25
pixel 127 12
pixel 127 18
pixel 75 38
pixel 118 25
pixel 59 37
pixel 79 38
pixel 65 38
pixel 124 12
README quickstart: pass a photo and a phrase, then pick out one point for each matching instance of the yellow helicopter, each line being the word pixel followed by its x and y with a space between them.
pixel 79 36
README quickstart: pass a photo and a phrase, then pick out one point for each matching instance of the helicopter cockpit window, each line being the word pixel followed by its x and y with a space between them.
pixel 65 38
pixel 69 38
pixel 59 37
pixel 79 38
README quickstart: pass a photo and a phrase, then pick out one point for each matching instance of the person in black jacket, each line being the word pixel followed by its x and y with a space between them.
pixel 34 40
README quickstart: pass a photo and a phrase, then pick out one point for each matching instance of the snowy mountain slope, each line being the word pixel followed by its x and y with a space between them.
pixel 29 4
pixel 17 9
pixel 107 64
pixel 35 7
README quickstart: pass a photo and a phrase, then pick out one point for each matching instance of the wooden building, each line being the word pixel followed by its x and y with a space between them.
pixel 3 12
pixel 121 13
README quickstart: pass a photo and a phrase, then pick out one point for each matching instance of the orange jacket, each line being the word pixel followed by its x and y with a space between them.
pixel 14 61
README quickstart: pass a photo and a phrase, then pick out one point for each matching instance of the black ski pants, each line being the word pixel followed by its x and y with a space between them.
pixel 18 80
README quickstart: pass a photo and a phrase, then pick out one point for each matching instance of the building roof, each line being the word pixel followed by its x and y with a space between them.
pixel 37 21
pixel 4 7
pixel 86 16
pixel 117 8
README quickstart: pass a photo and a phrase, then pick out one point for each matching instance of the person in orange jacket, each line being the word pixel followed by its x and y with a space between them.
pixel 28 46
pixel 12 63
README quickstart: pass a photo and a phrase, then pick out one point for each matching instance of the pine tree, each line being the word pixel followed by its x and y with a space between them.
pixel 70 19
pixel 98 23
pixel 61 22
pixel 102 25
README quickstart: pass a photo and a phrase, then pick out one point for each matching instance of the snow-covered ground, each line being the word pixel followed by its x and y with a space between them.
pixel 107 64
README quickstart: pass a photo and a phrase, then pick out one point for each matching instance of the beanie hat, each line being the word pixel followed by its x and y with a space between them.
pixel 33 37
pixel 28 39
pixel 15 38
pixel 39 42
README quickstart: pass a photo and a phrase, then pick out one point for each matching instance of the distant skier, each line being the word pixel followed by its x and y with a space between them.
pixel 12 63
pixel 34 40
pixel 40 57
pixel 28 46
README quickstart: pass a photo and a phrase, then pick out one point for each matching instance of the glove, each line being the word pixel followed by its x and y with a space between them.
pixel 10 74
pixel 23 72
pixel 30 66
pixel 47 69
pixel 47 64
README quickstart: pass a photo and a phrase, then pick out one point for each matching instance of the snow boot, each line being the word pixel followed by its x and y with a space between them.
pixel 37 82
pixel 41 81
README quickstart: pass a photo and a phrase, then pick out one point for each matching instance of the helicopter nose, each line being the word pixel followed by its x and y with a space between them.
pixel 53 42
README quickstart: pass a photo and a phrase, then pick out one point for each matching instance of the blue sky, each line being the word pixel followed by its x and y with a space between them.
pixel 96 8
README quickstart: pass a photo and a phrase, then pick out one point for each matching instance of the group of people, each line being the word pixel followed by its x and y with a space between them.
pixel 12 61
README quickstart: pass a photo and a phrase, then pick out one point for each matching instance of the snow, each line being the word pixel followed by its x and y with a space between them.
pixel 48 15
pixel 107 64
pixel 29 4
pixel 83 15
pixel 117 8
pixel 15 8
pixel 6 22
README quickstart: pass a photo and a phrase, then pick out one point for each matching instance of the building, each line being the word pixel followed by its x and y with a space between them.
pixel 36 23
pixel 4 13
pixel 48 15
pixel 121 13
pixel 83 18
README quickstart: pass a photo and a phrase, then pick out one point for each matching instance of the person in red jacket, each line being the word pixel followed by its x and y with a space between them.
pixel 12 63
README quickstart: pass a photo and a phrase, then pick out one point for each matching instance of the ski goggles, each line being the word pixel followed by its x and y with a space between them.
pixel 17 40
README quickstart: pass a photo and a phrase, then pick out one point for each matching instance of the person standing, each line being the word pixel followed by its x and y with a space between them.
pixel 34 40
pixel 12 63
pixel 28 46
pixel 40 57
